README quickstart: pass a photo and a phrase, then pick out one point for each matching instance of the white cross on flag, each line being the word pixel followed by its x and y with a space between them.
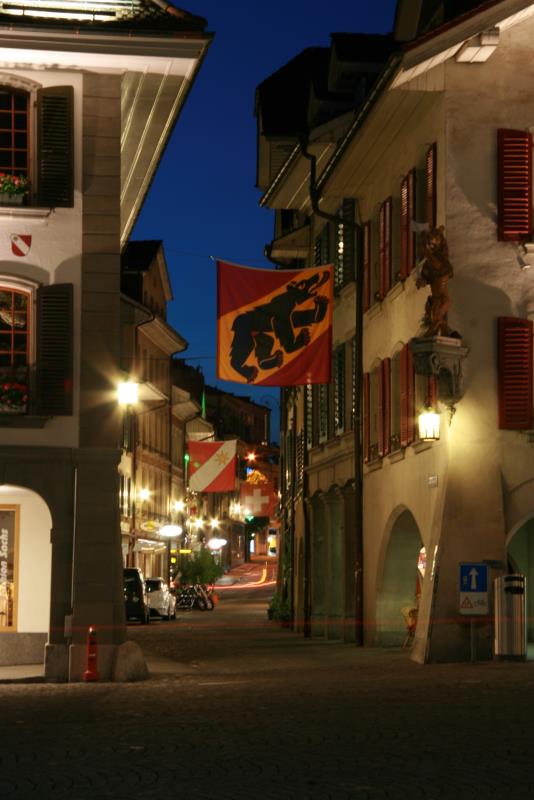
pixel 258 499
pixel 212 466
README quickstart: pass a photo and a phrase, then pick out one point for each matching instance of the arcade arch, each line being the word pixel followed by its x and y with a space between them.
pixel 400 581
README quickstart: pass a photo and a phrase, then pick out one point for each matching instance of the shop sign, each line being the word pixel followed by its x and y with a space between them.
pixel 8 565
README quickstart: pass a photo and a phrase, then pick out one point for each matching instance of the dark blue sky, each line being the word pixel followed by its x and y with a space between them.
pixel 203 201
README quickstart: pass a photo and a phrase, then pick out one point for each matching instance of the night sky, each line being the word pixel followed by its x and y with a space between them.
pixel 203 201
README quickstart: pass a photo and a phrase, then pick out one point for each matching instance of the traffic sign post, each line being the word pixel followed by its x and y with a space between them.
pixel 473 596
pixel 474 589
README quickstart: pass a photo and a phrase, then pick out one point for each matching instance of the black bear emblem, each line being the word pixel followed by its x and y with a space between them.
pixel 257 329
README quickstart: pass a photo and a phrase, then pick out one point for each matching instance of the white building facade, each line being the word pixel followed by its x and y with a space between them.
pixel 86 119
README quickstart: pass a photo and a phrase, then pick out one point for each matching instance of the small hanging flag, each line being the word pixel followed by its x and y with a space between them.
pixel 212 466
pixel 274 327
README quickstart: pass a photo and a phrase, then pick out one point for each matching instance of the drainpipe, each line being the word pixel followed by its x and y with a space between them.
pixel 358 377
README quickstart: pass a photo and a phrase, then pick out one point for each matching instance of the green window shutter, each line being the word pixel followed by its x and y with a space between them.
pixel 55 148
pixel 54 374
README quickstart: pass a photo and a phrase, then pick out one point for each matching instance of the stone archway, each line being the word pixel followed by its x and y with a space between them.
pixel 25 575
pixel 397 586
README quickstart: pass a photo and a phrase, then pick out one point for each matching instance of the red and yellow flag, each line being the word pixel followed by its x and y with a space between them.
pixel 212 466
pixel 274 327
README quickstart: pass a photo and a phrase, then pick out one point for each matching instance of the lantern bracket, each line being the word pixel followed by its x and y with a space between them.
pixel 441 357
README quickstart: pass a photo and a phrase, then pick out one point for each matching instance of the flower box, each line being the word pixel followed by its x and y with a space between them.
pixel 13 398
pixel 11 199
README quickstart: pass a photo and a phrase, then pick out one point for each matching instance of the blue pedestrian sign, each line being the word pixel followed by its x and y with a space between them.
pixel 474 589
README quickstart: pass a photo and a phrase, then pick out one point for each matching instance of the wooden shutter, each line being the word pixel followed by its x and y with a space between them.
pixel 54 327
pixel 55 149
pixel 385 419
pixel 385 247
pixel 406 396
pixel 515 373
pixel 366 417
pixel 407 215
pixel 430 179
pixel 514 185
pixel 366 255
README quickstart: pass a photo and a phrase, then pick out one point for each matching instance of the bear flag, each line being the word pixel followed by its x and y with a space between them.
pixel 212 466
pixel 274 327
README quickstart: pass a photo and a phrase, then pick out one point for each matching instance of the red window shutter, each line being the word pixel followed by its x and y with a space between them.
pixel 366 417
pixel 366 266
pixel 385 247
pixel 380 410
pixel 431 167
pixel 386 405
pixel 514 185
pixel 406 396
pixel 411 217
pixel 404 229
pixel 515 373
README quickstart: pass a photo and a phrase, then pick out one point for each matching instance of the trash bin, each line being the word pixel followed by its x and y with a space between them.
pixel 510 618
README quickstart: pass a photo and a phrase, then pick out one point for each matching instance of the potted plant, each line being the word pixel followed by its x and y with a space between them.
pixel 279 610
pixel 13 188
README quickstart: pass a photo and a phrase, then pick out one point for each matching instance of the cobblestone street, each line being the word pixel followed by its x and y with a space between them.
pixel 238 707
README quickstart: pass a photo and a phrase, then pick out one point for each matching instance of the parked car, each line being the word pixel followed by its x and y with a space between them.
pixel 135 595
pixel 160 599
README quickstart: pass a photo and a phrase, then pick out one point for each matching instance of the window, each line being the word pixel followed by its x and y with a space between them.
pixel 323 412
pixel 367 290
pixel 36 379
pixel 14 350
pixel 407 215
pixel 14 130
pixel 388 399
pixel 385 253
pixel 431 185
pixel 396 401
pixel 321 250
pixel 38 147
pixel 514 185
pixel 344 245
pixel 308 400
pixel 407 392
pixel 339 389
pixel 515 373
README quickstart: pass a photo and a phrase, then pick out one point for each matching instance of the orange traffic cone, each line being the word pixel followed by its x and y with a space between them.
pixel 91 673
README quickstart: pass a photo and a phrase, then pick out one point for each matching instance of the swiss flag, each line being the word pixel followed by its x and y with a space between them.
pixel 258 499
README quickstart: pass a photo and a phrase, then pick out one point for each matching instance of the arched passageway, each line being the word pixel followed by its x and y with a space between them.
pixel 25 575
pixel 400 583
pixel 520 552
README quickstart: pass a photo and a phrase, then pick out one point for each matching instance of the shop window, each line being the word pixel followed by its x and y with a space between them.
pixel 8 567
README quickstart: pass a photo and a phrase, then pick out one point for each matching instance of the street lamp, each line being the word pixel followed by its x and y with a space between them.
pixel 428 421
pixel 127 393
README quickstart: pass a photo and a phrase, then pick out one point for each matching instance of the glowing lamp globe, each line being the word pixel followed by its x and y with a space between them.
pixel 429 425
